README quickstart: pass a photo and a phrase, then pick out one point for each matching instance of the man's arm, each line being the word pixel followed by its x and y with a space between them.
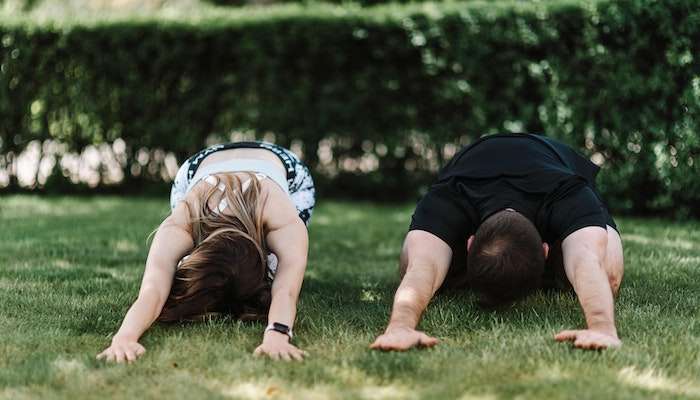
pixel 426 259
pixel 584 254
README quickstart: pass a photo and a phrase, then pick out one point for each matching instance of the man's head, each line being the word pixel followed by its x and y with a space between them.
pixel 505 258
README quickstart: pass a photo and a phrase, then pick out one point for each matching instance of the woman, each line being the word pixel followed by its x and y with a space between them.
pixel 235 243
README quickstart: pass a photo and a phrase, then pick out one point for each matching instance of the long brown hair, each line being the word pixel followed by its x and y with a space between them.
pixel 226 271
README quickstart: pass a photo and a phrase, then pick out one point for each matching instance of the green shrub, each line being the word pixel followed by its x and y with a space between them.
pixel 618 79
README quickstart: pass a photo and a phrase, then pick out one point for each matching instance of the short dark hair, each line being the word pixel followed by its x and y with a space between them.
pixel 505 261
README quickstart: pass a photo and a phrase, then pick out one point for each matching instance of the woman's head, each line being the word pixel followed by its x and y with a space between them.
pixel 505 258
pixel 225 273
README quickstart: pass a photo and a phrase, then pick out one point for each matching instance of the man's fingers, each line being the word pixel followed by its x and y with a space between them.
pixel 286 356
pixel 101 355
pixel 376 344
pixel 586 340
pixel 130 355
pixel 257 352
pixel 381 346
pixel 395 347
pixel 588 345
pixel 428 341
pixel 566 336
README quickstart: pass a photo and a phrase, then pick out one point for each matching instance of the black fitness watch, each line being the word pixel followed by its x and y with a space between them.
pixel 281 328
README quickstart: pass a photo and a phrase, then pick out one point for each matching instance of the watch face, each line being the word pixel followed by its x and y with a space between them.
pixel 280 327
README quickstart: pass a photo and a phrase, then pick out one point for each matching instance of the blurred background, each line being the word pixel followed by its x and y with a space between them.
pixel 109 96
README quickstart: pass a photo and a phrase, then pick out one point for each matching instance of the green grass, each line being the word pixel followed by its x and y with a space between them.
pixel 69 268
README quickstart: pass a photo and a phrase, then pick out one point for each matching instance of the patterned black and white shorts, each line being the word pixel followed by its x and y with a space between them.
pixel 301 185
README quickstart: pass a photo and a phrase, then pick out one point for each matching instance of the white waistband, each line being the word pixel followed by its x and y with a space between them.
pixel 264 167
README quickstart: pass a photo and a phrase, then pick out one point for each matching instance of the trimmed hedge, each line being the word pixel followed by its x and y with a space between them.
pixel 399 84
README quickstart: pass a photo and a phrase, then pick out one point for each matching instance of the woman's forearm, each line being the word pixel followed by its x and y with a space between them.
pixel 283 307
pixel 140 316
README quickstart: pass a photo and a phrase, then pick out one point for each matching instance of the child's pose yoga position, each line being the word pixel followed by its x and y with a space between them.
pixel 235 243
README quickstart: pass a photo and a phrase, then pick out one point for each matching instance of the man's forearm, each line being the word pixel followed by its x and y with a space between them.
pixel 412 297
pixel 595 296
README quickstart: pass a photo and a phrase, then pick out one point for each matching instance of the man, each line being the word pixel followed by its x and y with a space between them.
pixel 490 222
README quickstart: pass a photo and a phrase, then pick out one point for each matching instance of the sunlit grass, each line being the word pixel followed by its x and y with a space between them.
pixel 69 268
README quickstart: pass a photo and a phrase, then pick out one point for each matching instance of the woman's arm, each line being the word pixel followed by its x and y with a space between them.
pixel 288 239
pixel 170 243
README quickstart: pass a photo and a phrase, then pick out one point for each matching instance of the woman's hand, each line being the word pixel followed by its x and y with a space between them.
pixel 122 350
pixel 276 346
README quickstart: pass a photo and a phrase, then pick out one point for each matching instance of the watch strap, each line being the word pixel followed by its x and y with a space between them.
pixel 281 328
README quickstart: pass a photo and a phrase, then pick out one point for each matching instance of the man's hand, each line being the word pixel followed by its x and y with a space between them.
pixel 276 346
pixel 425 259
pixel 122 350
pixel 584 253
pixel 401 339
pixel 589 339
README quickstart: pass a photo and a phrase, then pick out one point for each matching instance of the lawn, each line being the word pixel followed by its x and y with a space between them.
pixel 69 268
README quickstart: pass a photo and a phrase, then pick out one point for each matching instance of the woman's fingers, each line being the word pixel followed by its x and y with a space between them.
pixel 130 355
pixel 297 356
pixel 107 355
pixel 285 353
pixel 139 350
pixel 120 355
